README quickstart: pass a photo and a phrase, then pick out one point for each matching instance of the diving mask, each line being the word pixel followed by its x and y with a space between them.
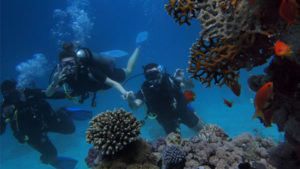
pixel 154 75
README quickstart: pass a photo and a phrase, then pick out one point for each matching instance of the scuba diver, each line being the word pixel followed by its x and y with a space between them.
pixel 85 71
pixel 165 100
pixel 31 118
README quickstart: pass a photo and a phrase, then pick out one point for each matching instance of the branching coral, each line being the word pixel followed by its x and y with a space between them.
pixel 111 131
pixel 220 61
pixel 235 35
pixel 182 10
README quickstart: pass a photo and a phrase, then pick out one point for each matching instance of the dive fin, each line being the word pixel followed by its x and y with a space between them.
pixel 141 37
pixel 66 163
pixel 114 53
pixel 80 114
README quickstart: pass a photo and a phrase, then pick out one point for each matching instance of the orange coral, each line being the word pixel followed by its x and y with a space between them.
pixel 221 60
pixel 182 10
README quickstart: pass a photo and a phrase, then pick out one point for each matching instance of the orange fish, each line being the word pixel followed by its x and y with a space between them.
pixel 282 49
pixel 189 95
pixel 228 103
pixel 262 98
pixel 289 10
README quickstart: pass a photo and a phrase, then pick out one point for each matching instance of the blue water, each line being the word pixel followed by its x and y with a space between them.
pixel 30 27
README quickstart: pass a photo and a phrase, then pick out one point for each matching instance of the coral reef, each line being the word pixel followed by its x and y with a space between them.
pixel 212 148
pixel 236 34
pixel 111 131
pixel 224 21
pixel 173 157
pixel 134 156
pixel 159 144
pixel 285 107
pixel 93 158
pixel 221 60
pixel 241 34
pixel 182 11
pixel 285 156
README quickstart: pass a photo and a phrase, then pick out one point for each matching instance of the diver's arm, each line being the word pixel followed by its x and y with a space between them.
pixel 52 88
pixel 135 104
pixel 132 60
pixel 58 79
pixel 108 81
pixel 184 82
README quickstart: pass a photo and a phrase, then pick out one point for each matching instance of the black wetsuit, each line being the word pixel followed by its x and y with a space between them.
pixel 167 101
pixel 91 74
pixel 33 118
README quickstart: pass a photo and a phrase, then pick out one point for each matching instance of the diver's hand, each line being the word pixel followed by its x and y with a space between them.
pixel 188 83
pixel 179 75
pixel 128 95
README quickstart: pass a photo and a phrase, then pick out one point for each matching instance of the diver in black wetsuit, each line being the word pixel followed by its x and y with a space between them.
pixel 165 99
pixel 31 118
pixel 86 72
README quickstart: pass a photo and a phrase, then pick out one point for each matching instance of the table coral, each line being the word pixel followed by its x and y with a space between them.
pixel 111 131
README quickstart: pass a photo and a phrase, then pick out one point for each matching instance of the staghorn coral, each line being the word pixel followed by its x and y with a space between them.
pixel 182 10
pixel 220 61
pixel 111 131
pixel 173 157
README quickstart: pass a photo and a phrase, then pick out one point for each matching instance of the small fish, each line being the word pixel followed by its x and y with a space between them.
pixel 228 103
pixel 261 101
pixel 289 10
pixel 189 95
pixel 282 49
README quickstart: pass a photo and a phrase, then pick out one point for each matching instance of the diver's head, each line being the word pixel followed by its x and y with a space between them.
pixel 9 91
pixel 67 58
pixel 68 51
pixel 153 72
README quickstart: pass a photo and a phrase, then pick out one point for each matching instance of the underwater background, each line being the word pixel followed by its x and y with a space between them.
pixel 37 28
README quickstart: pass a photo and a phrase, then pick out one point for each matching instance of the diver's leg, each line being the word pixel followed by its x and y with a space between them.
pixel 169 125
pixel 43 145
pixel 61 122
pixel 190 119
pixel 132 61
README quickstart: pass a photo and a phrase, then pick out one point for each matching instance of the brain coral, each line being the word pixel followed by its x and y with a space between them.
pixel 112 130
